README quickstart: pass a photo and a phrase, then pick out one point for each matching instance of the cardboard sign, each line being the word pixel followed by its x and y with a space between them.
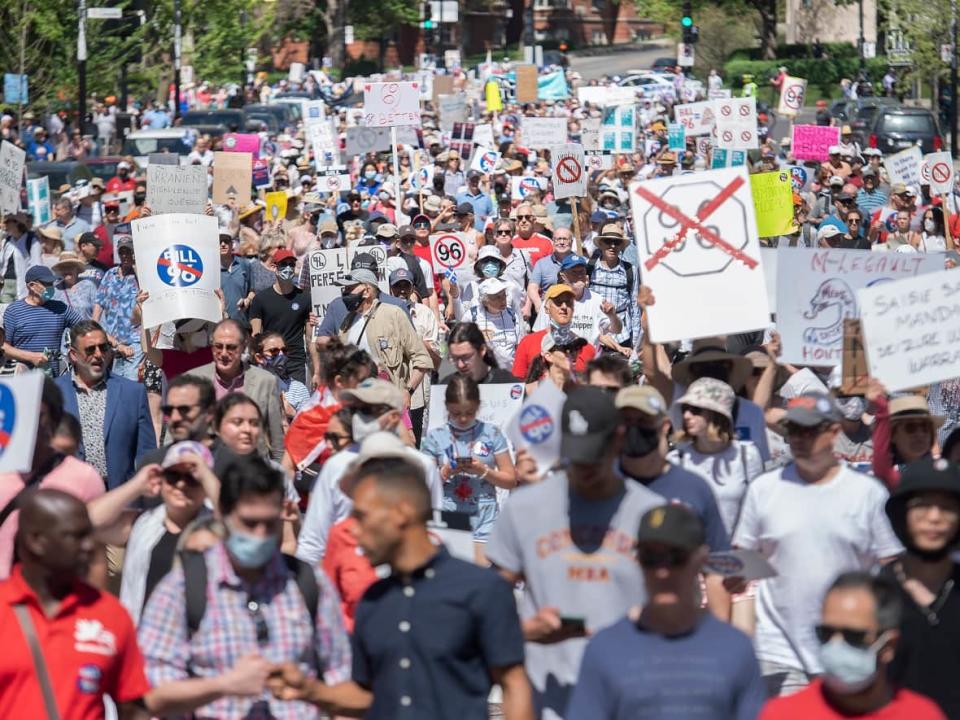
pixel 442 85
pixel 910 330
pixel 536 428
pixel 792 94
pixel 676 137
pixel 242 142
pixel 452 109
pixel 391 104
pixel 178 263
pixel 904 167
pixel 811 142
pixel 329 266
pixel 448 251
pixel 540 133
pixel 697 237
pixel 526 83
pixel 38 200
pixel 484 160
pixel 232 177
pixel 499 402
pixel 569 171
pixel 19 415
pixel 816 291
pixel 606 95
pixel 362 140
pixel 276 205
pixel 737 124
pixel 164 158
pixel 696 118
pixel 938 172
pixel 773 203
pixel 176 189
pixel 618 130
pixel 12 160
pixel 855 376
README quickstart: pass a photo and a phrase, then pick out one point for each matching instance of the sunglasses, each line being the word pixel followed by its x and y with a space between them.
pixel 692 410
pixel 855 638
pixel 525 217
pixel 669 558
pixel 373 410
pixel 407 241
pixel 273 352
pixel 91 350
pixel 503 232
pixel 182 410
pixel 421 225
pixel 911 427
pixel 172 477
pixel 801 431
pixel 336 438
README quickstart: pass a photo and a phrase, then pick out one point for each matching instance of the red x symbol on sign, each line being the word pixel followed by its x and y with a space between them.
pixel 689 223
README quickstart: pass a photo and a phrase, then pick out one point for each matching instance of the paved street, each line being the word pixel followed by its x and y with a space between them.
pixel 618 63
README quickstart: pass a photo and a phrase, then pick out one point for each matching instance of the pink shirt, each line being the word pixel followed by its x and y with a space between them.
pixel 72 476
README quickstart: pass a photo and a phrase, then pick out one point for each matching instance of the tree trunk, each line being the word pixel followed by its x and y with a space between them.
pixel 611 12
pixel 333 18
pixel 767 10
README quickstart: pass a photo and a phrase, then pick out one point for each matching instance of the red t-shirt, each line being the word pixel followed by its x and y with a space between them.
pixel 116 185
pixel 529 348
pixel 810 704
pixel 423 252
pixel 348 569
pixel 539 246
pixel 90 648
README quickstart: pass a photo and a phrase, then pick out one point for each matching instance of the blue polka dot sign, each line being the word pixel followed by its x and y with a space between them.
pixel 180 266
pixel 19 412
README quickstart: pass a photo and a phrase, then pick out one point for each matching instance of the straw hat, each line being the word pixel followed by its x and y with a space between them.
pixel 69 262
pixel 51 232
pixel 910 407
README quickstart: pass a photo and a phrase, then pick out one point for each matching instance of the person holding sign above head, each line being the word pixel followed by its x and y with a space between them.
pixel 904 431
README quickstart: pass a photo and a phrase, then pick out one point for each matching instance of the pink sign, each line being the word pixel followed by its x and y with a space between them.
pixel 811 142
pixel 242 142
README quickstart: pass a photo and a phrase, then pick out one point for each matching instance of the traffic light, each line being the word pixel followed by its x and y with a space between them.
pixel 691 33
pixel 687 20
pixel 427 16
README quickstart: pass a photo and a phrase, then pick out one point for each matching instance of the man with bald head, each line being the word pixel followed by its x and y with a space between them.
pixel 83 637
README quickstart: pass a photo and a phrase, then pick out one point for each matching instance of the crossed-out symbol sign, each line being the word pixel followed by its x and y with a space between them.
pixel 333 182
pixel 792 96
pixel 688 223
pixel 725 110
pixel 568 170
pixel 940 172
pixel 744 110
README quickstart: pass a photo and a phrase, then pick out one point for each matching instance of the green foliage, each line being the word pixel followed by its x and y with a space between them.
pixel 824 74
pixel 373 19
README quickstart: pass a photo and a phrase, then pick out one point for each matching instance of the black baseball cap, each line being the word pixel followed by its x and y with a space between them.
pixel 464 208
pixel 589 419
pixel 88 238
pixel 674 525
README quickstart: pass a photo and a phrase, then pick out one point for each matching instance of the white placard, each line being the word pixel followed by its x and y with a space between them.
pixel 483 135
pixel 771 260
pixel 423 178
pixel 176 189
pixel 816 290
pixel 178 263
pixel 590 134
pixel 697 118
pixel 12 160
pixel 452 109
pixel 19 414
pixel 332 179
pixel 540 133
pixel 604 95
pixel 536 427
pixel 569 171
pixel 792 94
pixel 697 243
pixel 911 330
pixel 499 402
pixel 484 160
pixel 938 172
pixel 329 266
pixel 448 251
pixel 618 129
pixel 391 104
pixel 362 140
pixel 737 124
pixel 314 111
pixel 523 185
pixel 904 166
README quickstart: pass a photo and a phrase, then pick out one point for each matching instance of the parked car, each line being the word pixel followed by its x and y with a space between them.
pixel 664 63
pixel 897 128
pixel 214 122
pixel 64 172
pixel 649 86
pixel 283 112
pixel 141 143
pixel 257 121
pixel 103 167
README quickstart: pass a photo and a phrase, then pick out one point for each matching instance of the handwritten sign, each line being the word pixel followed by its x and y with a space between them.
pixel 911 330
pixel 904 166
pixel 363 140
pixel 12 160
pixel 329 266
pixel 773 201
pixel 176 188
pixel 452 109
pixel 539 133
pixel 817 290
pixel 499 402
pixel 391 104
pixel 605 95
pixel 697 118
pixel 232 177
pixel 811 142
pixel 242 142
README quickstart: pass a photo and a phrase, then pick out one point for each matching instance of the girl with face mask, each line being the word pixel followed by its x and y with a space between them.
pixel 270 353
pixel 489 264
pixel 370 181
pixel 473 458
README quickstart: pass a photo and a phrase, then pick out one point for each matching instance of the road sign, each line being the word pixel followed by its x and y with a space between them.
pixel 685 55
pixel 569 179
pixel 448 251
pixel 104 13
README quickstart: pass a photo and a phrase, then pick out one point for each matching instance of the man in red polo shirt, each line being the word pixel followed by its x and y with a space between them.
pixel 85 636
pixel 558 302
pixel 527 239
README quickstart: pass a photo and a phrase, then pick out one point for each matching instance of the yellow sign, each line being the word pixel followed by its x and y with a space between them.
pixel 492 94
pixel 276 205
pixel 773 202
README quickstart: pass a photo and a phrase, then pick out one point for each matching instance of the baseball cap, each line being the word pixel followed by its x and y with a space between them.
pixel 40 274
pixel 833 150
pixel 489 251
pixel 572 261
pixel 868 172
pixel 870 152
pixel 327 226
pixel 836 180
pixel 283 254
pixel 405 231
pixel 674 525
pixel 363 269
pixel 123 165
pixel 124 241
pixel 811 409
pixel 598 217
pixel 374 391
pixel 89 238
pixel 492 286
pixel 400 275
pixel 557 290
pixel 644 398
pixel 588 421
pixel 377 446
pixel 828 231
pixel 464 208
pixel 422 218
pixel 175 453
pixel 474 174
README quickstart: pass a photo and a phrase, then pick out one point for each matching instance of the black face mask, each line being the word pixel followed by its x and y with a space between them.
pixel 139 198
pixel 640 442
pixel 352 301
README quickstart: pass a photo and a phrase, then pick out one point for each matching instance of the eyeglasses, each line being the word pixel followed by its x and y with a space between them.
pixel 259 621
pixel 462 359
pixel 407 241
pixel 91 350
pixel 851 221
pixel 924 505
pixel 525 217
pixel 373 410
pixel 855 638
pixel 273 352
pixel 172 477
pixel 336 439
pixel 669 558
pixel 226 347
pixel 504 232
pixel 182 410
pixel 610 244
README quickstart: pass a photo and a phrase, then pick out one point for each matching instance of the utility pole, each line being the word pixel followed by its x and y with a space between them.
pixel 176 58
pixel 81 65
pixel 863 61
pixel 953 78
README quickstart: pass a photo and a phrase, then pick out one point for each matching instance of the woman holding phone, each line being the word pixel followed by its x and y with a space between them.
pixel 473 460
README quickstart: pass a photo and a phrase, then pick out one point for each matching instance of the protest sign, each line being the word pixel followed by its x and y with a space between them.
pixel 676 138
pixel 590 134
pixel 911 329
pixel 569 177
pixel 939 172
pixel 526 83
pixel 499 402
pixel 232 177
pixel 855 377
pixel 485 160
pixel 332 179
pixel 362 140
pixel 178 263
pixel 816 290
pixel 736 121
pixel 769 259
pixel 313 111
pixel 38 200
pixel 536 428
pixel 423 178
pixel 811 142
pixel 176 188
pixel 719 159
pixel 461 139
pixel 448 251
pixel 523 185
pixel 483 135
pixel 773 202
pixel 904 166
pixel 539 133
pixel 125 198
pixel 792 93
pixel 442 85
pixel 719 93
pixel 19 414
pixel 697 237
pixel 606 95
pixel 260 173
pixel 326 268
pixel 618 132
pixel 697 118
pixel 391 104
pixel 276 205
pixel 164 158
pixel 452 109
pixel 12 160
pixel 242 142
pixel 16 89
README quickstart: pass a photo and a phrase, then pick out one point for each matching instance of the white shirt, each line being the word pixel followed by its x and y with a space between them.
pixel 810 533
pixel 503 331
pixel 588 322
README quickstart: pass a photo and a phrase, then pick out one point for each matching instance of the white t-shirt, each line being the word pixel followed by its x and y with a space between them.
pixel 502 330
pixel 588 322
pixel 728 474
pixel 810 533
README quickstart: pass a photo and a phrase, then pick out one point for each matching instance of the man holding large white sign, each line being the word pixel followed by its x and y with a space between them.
pixel 178 263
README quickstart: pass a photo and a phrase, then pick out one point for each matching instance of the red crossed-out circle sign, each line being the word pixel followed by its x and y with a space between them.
pixel 792 96
pixel 727 136
pixel 725 109
pixel 940 172
pixel 333 182
pixel 746 135
pixel 569 170
pixel 449 251
pixel 744 110
pixel 925 172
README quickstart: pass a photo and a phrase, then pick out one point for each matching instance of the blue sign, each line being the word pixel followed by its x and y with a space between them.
pixel 180 266
pixel 8 416
pixel 676 136
pixel 798 178
pixel 719 158
pixel 15 89
pixel 536 425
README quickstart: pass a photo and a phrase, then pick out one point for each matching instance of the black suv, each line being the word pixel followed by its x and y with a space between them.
pixel 897 128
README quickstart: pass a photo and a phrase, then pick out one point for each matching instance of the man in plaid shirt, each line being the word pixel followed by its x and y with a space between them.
pixel 256 616
pixel 616 282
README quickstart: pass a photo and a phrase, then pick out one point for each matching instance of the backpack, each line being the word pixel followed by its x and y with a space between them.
pixel 592 265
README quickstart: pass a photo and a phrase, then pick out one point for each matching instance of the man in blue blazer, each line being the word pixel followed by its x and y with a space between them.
pixel 112 410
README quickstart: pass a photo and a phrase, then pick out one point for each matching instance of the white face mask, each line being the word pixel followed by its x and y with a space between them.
pixel 929 225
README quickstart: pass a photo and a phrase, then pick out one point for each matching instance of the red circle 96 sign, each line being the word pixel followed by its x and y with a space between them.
pixel 449 251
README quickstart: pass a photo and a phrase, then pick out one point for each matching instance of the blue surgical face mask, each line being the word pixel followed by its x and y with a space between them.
pixel 250 551
pixel 490 269
pixel 462 427
pixel 370 174
pixel 848 669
